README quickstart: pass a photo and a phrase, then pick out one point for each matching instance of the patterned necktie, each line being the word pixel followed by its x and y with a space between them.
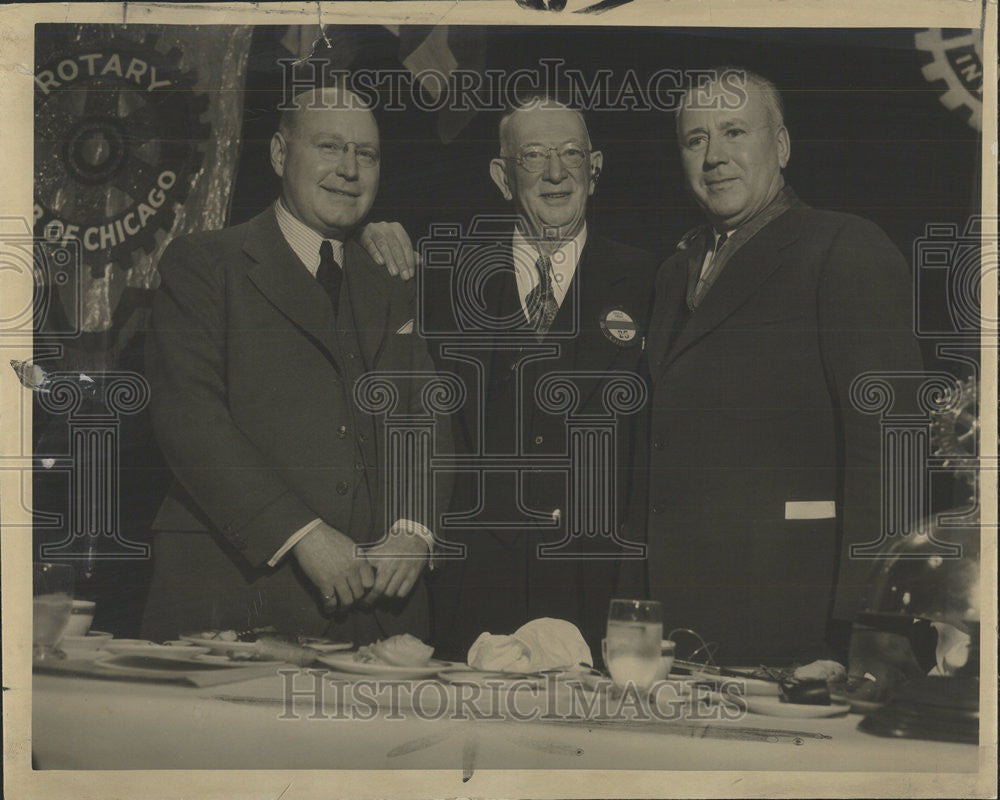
pixel 708 274
pixel 329 274
pixel 541 302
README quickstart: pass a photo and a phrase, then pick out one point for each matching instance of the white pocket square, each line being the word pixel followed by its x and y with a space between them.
pixel 810 509
pixel 406 327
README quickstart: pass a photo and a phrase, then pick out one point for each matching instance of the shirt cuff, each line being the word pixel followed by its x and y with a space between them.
pixel 293 540
pixel 417 529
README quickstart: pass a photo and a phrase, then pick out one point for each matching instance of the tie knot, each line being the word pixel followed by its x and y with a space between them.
pixel 326 254
pixel 719 242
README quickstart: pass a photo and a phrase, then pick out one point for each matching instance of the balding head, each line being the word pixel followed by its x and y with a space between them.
pixel 540 105
pixel 319 99
pixel 727 87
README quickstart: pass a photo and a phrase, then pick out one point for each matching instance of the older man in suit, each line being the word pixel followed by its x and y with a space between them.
pixel 762 472
pixel 554 304
pixel 260 334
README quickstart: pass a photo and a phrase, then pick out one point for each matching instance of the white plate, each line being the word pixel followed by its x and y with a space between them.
pixel 161 666
pixel 167 652
pixel 751 686
pixel 490 679
pixel 774 707
pixel 92 641
pixel 219 646
pixel 325 645
pixel 345 663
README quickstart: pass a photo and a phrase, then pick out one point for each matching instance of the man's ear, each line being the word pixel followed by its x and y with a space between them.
pixel 596 165
pixel 784 146
pixel 498 172
pixel 278 148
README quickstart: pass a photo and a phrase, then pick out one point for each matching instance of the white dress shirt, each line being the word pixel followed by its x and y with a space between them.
pixel 564 263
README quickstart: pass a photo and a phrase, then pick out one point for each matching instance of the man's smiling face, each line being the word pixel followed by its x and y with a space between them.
pixel 317 157
pixel 733 159
pixel 554 200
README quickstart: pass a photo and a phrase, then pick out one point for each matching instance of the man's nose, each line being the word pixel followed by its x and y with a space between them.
pixel 715 153
pixel 555 170
pixel 347 166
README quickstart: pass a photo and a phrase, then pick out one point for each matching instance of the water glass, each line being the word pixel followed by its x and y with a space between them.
pixel 632 647
pixel 53 603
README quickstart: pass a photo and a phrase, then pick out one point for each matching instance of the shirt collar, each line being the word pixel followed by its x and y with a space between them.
pixel 304 241
pixel 564 263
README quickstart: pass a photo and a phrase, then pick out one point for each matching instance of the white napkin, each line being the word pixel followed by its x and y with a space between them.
pixel 544 643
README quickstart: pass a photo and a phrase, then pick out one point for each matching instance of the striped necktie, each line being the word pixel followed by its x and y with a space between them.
pixel 708 273
pixel 541 302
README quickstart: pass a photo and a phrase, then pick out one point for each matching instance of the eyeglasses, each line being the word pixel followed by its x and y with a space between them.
pixel 367 157
pixel 535 159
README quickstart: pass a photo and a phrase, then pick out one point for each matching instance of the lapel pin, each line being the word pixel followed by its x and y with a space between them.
pixel 619 327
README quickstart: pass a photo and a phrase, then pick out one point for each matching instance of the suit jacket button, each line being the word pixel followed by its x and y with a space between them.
pixel 658 444
pixel 342 431
pixel 359 466
pixel 363 437
pixel 658 509
pixel 556 514
pixel 343 487
pixel 539 439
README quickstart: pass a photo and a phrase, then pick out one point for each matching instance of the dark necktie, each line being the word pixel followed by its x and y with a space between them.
pixel 329 274
pixel 708 275
pixel 541 302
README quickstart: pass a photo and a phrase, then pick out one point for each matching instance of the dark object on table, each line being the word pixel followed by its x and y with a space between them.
pixel 944 708
pixel 812 692
pixel 932 574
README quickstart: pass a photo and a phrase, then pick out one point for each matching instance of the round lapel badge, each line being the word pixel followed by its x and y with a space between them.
pixel 619 327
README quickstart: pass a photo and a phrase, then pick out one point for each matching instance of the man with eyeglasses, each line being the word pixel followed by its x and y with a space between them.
pixel 559 298
pixel 763 469
pixel 260 333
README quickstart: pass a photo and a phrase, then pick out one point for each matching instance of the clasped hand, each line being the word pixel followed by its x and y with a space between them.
pixel 345 575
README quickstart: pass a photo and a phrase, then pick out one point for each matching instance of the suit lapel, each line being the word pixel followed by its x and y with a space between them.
pixel 501 300
pixel 369 301
pixel 741 279
pixel 284 280
pixel 597 278
pixel 670 303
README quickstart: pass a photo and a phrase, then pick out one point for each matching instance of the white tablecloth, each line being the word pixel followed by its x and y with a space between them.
pixel 115 725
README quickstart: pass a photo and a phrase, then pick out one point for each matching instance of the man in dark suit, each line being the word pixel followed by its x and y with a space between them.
pixel 260 334
pixel 550 311
pixel 762 472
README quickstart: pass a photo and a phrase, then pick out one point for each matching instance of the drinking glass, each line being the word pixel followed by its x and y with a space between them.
pixel 53 603
pixel 632 646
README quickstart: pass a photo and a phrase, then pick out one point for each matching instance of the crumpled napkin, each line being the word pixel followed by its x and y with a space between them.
pixel 544 643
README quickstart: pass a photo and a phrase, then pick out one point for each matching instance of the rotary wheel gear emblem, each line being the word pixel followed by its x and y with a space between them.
pixel 118 132
pixel 956 65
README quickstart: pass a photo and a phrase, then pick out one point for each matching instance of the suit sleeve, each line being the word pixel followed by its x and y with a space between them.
pixel 866 324
pixel 415 355
pixel 224 473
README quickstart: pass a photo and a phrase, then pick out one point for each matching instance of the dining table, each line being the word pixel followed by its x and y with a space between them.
pixel 282 717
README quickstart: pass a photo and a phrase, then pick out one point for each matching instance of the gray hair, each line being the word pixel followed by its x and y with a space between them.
pixel 543 102
pixel 754 83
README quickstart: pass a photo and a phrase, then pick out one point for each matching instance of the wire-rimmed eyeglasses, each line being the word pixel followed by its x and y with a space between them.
pixel 536 157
